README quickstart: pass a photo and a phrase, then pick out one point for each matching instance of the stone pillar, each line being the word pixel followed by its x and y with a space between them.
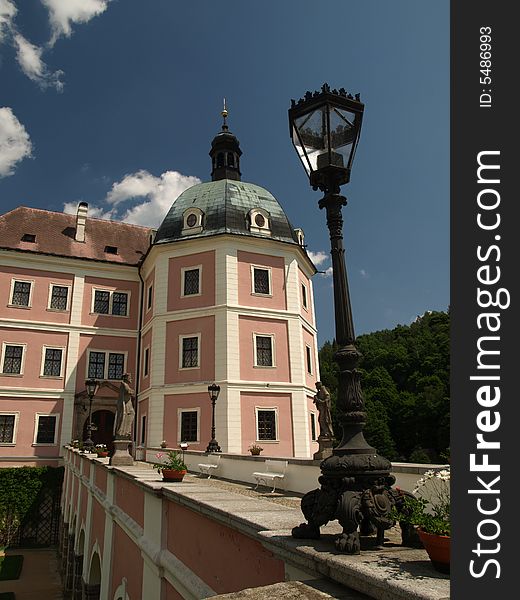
pixel 64 551
pixel 69 570
pixel 78 571
pixel 91 591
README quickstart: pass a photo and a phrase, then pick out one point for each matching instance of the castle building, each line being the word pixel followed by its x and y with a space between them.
pixel 221 292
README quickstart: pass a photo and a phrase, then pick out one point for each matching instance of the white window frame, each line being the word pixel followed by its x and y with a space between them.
pixel 179 423
pixel 145 350
pixel 106 353
pixel 110 300
pixel 270 278
pixel 273 353
pixel 183 271
pixel 143 430
pixel 11 292
pixel 305 296
pixel 64 285
pixel 197 228
pixel 16 415
pixel 183 337
pixel 149 298
pixel 276 423
pixel 56 428
pixel 313 419
pixel 44 350
pixel 253 227
pixel 22 365
pixel 308 360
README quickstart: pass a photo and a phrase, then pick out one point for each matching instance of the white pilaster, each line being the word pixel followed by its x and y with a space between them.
pixel 106 567
pixel 152 573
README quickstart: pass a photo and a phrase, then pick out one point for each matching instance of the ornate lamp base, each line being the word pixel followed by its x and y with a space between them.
pixel 356 490
pixel 121 456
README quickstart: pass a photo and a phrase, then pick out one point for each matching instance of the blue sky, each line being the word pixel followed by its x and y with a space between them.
pixel 115 103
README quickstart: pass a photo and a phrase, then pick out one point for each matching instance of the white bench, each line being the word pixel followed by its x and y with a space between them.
pixel 213 463
pixel 274 469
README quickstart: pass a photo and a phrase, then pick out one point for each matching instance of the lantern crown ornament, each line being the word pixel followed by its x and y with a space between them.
pixel 325 127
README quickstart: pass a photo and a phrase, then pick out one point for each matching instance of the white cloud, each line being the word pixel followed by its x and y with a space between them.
pixel 64 13
pixel 327 272
pixel 7 13
pixel 29 58
pixel 159 194
pixel 318 257
pixel 364 274
pixel 15 143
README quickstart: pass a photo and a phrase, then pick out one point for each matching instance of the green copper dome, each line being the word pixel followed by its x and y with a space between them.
pixel 225 206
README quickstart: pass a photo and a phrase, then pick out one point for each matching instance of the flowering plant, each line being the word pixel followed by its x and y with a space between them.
pixel 430 509
pixel 101 447
pixel 255 449
pixel 173 462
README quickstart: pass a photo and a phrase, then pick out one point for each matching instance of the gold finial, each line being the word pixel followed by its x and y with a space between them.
pixel 224 114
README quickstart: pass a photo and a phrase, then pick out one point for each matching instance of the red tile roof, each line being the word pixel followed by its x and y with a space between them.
pixel 55 234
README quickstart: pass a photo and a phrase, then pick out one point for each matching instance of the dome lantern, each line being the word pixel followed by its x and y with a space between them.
pixel 225 153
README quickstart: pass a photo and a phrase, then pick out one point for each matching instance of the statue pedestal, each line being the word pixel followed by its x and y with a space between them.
pixel 325 450
pixel 121 457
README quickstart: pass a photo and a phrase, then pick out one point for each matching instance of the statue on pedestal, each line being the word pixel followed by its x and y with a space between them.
pixel 322 402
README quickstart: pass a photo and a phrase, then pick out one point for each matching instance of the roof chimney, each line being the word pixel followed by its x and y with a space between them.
pixel 81 221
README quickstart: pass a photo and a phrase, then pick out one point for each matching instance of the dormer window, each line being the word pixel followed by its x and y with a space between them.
pixel 29 237
pixel 300 236
pixel 259 221
pixel 110 249
pixel 192 221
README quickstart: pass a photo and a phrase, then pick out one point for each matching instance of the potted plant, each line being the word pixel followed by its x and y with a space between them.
pixel 255 449
pixel 101 450
pixel 173 468
pixel 164 443
pixel 429 511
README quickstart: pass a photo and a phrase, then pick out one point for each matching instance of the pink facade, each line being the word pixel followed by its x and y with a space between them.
pixel 146 360
pixel 41 289
pixel 174 404
pixel 252 565
pixel 143 411
pixel 177 300
pixel 276 298
pixel 306 299
pixel 100 479
pixel 128 565
pixel 248 328
pixel 90 317
pixel 130 499
pixel 309 358
pixel 98 525
pixel 250 403
pixel 204 329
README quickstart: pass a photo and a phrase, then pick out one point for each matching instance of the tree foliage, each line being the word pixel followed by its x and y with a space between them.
pixel 405 380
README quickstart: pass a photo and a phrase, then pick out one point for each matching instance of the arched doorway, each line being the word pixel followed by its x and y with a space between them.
pixel 102 428
pixel 93 587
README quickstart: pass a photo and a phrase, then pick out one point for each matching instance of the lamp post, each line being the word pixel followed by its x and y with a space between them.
pixel 355 484
pixel 213 391
pixel 91 386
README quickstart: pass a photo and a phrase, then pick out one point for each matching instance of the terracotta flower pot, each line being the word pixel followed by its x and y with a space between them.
pixel 438 548
pixel 172 475
pixel 102 454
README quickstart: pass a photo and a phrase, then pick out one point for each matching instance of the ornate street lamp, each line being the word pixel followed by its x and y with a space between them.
pixel 213 391
pixel 355 482
pixel 91 386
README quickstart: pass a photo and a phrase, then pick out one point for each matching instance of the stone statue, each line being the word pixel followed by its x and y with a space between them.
pixel 322 402
pixel 125 412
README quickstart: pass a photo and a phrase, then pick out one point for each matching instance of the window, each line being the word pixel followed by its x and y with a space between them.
pixel 143 430
pixel 263 351
pixel 12 361
pixel 189 426
pixel 313 426
pixel 46 429
pixel 259 221
pixel 191 281
pixel 29 237
pixel 149 298
pixel 189 352
pixel 110 303
pixel 8 427
pixel 261 281
pixel 52 362
pixel 192 221
pixel 146 362
pixel 308 355
pixel 266 424
pixel 101 366
pixel 59 297
pixel 304 295
pixel 21 293
pixel 110 249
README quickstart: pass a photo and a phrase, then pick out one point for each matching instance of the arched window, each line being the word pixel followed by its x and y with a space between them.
pixel 220 160
pixel 231 159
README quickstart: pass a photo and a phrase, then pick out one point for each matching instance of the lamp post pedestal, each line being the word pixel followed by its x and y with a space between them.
pixel 121 456
pixel 326 444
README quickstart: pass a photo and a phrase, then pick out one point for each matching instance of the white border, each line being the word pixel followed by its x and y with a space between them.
pixel 276 420
pixel 253 227
pixel 22 365
pixel 44 351
pixel 16 415
pixel 183 337
pixel 273 353
pixel 197 228
pixel 179 424
pixel 56 428
pixel 11 292
pixel 183 271
pixel 270 279
pixel 111 295
pixel 106 353
pixel 67 307
pixel 305 305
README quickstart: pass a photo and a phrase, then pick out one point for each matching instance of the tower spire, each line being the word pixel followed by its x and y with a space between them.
pixel 225 152
pixel 224 114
